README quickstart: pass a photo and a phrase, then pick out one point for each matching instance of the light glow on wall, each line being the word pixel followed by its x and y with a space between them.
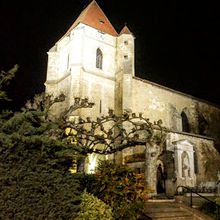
pixel 92 163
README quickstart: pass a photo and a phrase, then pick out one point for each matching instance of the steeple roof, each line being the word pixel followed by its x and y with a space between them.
pixel 125 30
pixel 93 16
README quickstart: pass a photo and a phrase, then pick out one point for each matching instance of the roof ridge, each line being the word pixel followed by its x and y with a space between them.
pixel 125 30
pixel 94 16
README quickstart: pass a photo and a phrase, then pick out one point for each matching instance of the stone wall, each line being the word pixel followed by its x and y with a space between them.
pixel 158 102
pixel 206 157
pixel 72 69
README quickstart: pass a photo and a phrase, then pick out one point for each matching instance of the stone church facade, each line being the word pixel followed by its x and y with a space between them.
pixel 93 60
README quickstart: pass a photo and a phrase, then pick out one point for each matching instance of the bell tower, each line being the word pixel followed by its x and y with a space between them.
pixel 125 61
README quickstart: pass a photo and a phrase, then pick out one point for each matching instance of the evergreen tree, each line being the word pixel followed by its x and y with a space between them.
pixel 5 79
pixel 34 166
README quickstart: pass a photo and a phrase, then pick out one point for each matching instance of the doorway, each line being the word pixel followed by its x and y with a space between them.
pixel 160 179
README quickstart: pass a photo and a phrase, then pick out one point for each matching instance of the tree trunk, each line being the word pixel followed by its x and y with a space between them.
pixel 151 155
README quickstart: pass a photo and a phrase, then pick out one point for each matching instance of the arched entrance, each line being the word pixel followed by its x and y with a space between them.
pixel 160 178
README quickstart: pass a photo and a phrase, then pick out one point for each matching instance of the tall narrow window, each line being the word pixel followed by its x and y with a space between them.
pixel 99 58
pixel 185 122
pixel 100 106
pixel 68 61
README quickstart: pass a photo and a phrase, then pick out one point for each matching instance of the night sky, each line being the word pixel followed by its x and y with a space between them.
pixel 177 42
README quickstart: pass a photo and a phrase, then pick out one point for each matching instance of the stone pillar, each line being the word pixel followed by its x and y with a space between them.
pixel 218 183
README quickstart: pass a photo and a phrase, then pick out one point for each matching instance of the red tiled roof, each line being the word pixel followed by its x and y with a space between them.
pixel 93 16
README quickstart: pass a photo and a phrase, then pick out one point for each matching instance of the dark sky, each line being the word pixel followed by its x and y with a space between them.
pixel 177 42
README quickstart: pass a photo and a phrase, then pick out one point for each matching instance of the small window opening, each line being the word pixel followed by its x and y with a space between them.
pixel 100 106
pixel 101 21
pixel 99 58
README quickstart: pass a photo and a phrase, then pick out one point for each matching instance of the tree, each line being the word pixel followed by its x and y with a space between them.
pixel 37 151
pixel 34 165
pixel 5 79
pixel 111 134
pixel 100 136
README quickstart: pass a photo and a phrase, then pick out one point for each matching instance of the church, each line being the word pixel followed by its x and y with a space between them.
pixel 93 60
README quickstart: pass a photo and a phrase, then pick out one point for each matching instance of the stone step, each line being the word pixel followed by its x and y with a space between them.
pixel 168 215
pixel 162 204
pixel 167 211
pixel 161 200
pixel 173 218
pixel 163 209
pixel 172 211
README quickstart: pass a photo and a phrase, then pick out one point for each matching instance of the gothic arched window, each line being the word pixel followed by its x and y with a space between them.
pixel 185 122
pixel 175 119
pixel 99 58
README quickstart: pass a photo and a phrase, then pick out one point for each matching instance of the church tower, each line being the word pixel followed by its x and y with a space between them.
pixel 92 60
pixel 125 63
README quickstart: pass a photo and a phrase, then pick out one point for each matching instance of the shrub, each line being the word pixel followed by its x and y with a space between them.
pixel 217 200
pixel 93 208
pixel 87 181
pixel 119 187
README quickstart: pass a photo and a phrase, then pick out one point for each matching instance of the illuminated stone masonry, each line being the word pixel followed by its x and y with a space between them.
pixel 92 60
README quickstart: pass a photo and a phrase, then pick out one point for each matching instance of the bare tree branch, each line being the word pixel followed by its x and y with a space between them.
pixel 100 136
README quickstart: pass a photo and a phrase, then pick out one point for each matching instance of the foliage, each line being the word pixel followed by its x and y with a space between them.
pixel 34 168
pixel 209 209
pixel 217 200
pixel 119 187
pixel 5 79
pixel 87 181
pixel 37 151
pixel 130 210
pixel 93 208
pixel 210 160
pixel 105 135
